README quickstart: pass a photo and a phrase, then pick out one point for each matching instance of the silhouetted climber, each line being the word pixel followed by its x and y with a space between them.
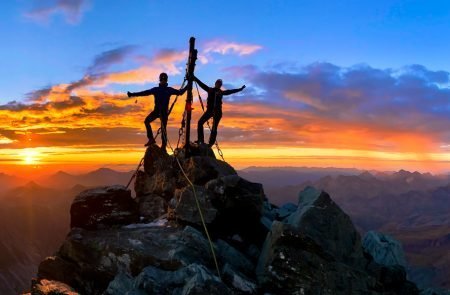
pixel 213 108
pixel 162 95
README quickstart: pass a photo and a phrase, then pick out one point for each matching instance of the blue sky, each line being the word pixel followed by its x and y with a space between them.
pixel 57 48
pixel 367 77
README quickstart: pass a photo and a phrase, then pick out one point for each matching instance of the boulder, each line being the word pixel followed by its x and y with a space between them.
pixel 202 149
pixel 239 204
pixel 234 258
pixel 293 263
pixel 239 282
pixel 151 207
pixel 88 261
pixel 200 170
pixel 384 249
pixel 286 210
pixel 191 279
pixel 186 205
pixel 122 284
pixel 103 207
pixel 162 183
pixel 155 159
pixel 270 211
pixel 321 219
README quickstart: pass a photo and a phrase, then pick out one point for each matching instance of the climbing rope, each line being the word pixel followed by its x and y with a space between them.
pixel 219 151
pixel 180 133
pixel 199 210
pixel 176 97
pixel 135 172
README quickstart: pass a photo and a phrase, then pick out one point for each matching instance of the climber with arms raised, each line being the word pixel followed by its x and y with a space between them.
pixel 162 95
pixel 213 108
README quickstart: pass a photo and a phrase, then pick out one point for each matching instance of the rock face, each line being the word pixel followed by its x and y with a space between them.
pixel 320 218
pixel 318 251
pixel 308 248
pixel 384 249
pixel 103 207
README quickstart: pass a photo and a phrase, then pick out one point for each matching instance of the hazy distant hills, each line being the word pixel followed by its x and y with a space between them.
pixel 33 222
pixel 99 177
pixel 7 182
pixel 273 177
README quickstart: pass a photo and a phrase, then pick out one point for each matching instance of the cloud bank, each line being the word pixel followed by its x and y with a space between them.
pixel 320 105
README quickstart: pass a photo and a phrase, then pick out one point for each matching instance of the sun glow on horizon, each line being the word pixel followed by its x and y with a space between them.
pixel 85 159
pixel 30 157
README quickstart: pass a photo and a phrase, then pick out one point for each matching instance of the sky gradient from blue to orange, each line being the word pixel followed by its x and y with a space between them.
pixel 329 83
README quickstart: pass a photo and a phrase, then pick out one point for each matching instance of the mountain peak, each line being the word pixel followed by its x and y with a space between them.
pixel 170 251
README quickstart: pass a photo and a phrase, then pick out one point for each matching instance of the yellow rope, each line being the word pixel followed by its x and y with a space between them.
pixel 199 210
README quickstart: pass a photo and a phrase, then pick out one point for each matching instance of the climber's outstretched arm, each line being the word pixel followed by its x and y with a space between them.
pixel 231 91
pixel 180 91
pixel 142 93
pixel 202 85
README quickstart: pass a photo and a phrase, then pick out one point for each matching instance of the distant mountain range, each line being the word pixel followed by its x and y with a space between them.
pixel 102 176
pixel 413 207
pixel 8 182
pixel 274 177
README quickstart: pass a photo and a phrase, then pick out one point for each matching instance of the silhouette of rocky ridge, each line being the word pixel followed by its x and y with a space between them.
pixel 121 245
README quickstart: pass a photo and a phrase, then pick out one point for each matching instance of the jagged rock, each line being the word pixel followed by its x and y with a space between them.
pixel 200 170
pixel 321 219
pixel 155 159
pixel 163 175
pixel 103 207
pixel 286 210
pixel 151 206
pixel 293 263
pixel 201 149
pixel 384 249
pixel 188 280
pixel 392 278
pixel 295 258
pixel 92 259
pixel 162 183
pixel 270 211
pixel 47 287
pixel 239 204
pixel 122 284
pixel 240 283
pixel 186 207
pixel 235 258
pixel 266 222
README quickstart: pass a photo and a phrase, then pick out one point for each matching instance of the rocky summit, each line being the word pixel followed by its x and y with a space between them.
pixel 156 243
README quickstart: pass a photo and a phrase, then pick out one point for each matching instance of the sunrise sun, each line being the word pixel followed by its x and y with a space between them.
pixel 30 157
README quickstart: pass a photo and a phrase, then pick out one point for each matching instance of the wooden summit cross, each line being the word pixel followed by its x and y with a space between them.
pixel 188 108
